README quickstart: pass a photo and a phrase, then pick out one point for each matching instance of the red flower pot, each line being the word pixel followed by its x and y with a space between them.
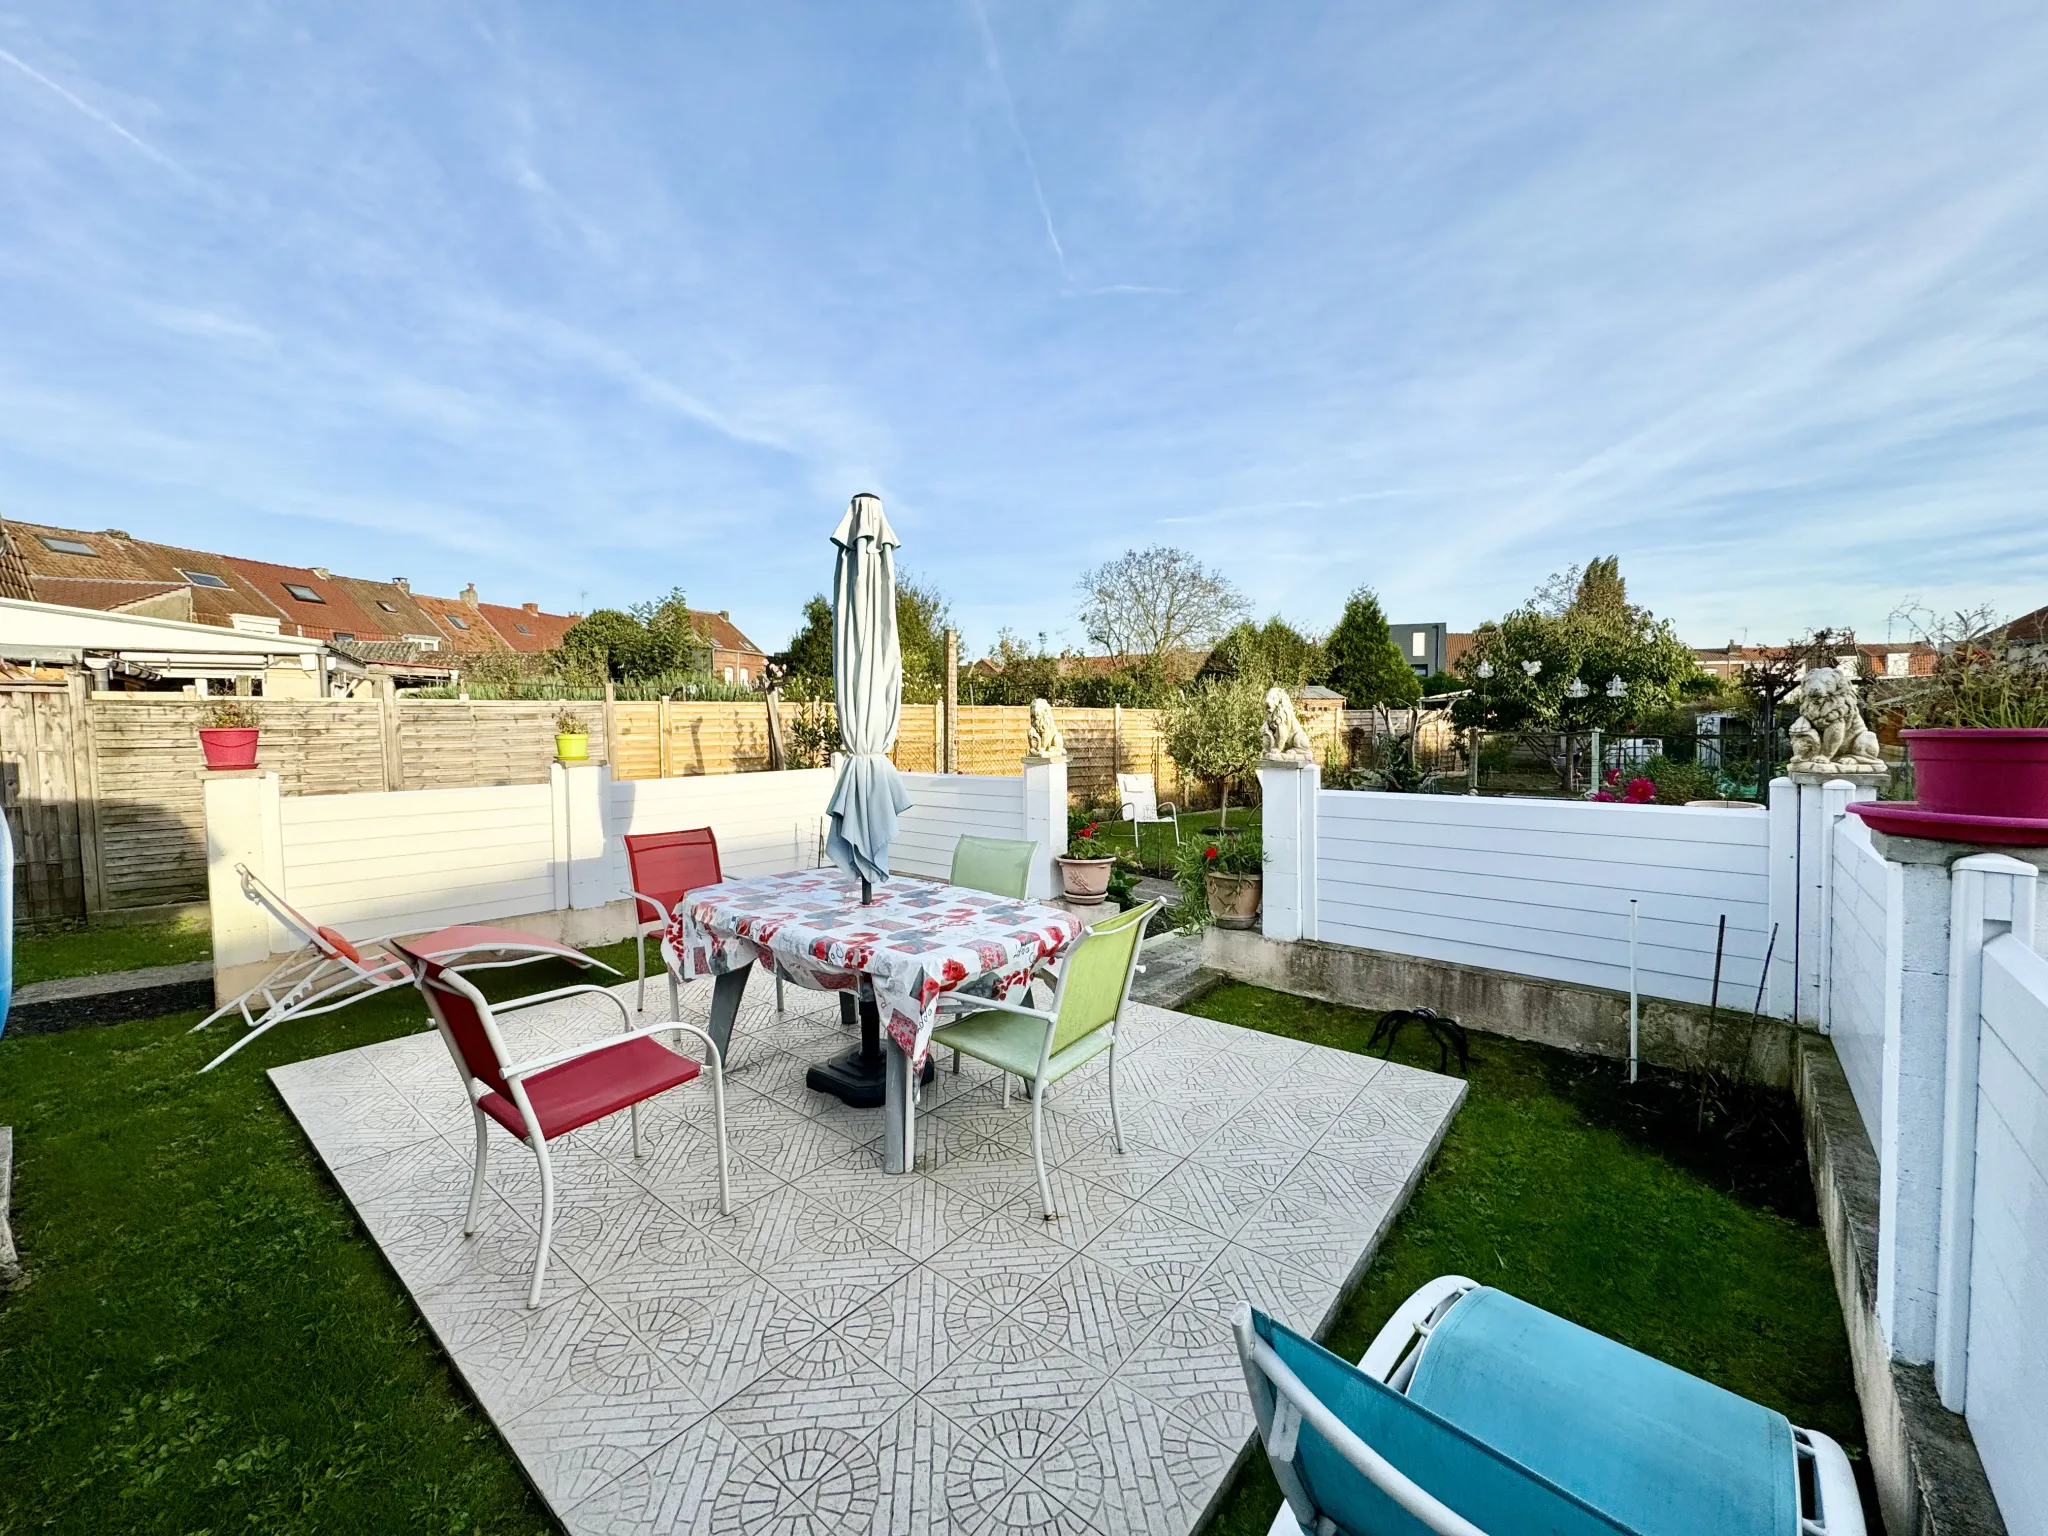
pixel 1980 773
pixel 229 749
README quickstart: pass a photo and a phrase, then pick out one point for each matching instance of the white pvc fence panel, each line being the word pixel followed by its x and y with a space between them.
pixel 1541 887
pixel 2007 1392
pixel 378 863
pixel 1863 947
pixel 766 823
pixel 944 807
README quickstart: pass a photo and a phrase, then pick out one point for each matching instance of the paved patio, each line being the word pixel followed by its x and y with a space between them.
pixel 853 1352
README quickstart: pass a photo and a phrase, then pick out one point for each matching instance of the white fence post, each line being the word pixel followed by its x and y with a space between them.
pixel 241 828
pixel 1822 802
pixel 586 799
pixel 1784 897
pixel 1045 818
pixel 1287 795
pixel 1991 894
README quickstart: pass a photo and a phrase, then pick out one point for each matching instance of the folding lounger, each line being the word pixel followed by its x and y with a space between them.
pixel 329 971
pixel 1476 1414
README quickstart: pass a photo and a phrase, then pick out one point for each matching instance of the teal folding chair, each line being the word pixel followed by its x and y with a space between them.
pixel 1477 1414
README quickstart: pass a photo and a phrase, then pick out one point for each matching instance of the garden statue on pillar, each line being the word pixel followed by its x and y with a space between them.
pixel 1829 739
pixel 1043 739
pixel 1283 736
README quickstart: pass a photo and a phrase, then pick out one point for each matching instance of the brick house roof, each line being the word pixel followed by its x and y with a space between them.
pixel 526 628
pixel 107 594
pixel 719 630
pixel 462 625
pixel 114 557
pixel 339 605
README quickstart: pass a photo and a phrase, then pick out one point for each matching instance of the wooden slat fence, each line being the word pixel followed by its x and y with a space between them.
pixel 102 793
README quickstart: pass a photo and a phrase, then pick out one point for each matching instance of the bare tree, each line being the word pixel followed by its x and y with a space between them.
pixel 1152 603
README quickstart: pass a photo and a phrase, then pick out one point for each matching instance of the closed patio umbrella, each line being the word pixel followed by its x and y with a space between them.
pixel 867 684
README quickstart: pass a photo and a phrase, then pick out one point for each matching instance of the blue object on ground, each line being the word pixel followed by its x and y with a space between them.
pixel 1488 1488
pixel 1646 1443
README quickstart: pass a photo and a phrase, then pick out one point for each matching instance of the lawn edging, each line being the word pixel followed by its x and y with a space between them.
pixel 1930 1481
pixel 1576 1018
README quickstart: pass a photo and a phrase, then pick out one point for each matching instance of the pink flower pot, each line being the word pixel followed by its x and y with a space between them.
pixel 229 749
pixel 1980 773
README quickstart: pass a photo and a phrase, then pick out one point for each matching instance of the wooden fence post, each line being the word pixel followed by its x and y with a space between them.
pixel 665 754
pixel 84 787
pixel 949 714
pixel 611 726
pixel 387 726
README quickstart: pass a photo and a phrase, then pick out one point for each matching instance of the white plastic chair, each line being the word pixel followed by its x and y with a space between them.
pixel 329 971
pixel 1140 802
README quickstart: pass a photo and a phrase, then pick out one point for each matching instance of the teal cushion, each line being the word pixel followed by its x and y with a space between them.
pixel 1486 1487
pixel 1651 1446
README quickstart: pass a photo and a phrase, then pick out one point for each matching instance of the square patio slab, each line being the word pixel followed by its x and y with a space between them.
pixel 852 1352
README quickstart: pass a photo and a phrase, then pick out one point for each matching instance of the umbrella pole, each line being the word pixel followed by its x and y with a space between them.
pixel 867 892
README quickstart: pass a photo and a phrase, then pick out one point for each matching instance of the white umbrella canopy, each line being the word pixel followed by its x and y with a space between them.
pixel 867 685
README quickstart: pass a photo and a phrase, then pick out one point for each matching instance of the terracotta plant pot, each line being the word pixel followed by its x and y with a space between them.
pixel 228 749
pixel 1234 899
pixel 1084 879
pixel 1980 773
pixel 572 748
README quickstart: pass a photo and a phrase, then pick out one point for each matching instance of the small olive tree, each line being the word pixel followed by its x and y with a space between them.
pixel 1212 732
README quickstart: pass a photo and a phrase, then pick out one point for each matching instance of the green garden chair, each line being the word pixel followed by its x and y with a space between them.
pixel 999 865
pixel 1042 1045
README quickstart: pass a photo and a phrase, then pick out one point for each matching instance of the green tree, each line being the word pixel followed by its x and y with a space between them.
pixel 810 649
pixel 922 617
pixel 1273 652
pixel 1578 627
pixel 651 639
pixel 1365 664
pixel 1212 731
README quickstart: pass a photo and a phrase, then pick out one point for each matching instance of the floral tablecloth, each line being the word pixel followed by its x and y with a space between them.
pixel 915 941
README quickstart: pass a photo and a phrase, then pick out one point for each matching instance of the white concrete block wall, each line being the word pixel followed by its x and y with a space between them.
pixel 2007 1393
pixel 1541 887
pixel 383 863
pixel 766 823
pixel 1863 968
pixel 945 805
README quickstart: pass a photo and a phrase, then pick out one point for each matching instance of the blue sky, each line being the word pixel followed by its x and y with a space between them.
pixel 584 301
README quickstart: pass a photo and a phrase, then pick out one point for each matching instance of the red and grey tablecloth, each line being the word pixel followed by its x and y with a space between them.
pixel 915 941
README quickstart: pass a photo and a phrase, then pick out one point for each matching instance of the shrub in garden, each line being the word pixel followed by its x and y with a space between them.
pixel 1196 859
pixel 1212 732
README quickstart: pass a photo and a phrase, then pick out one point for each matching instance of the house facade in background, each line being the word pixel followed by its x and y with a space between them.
pixel 382 628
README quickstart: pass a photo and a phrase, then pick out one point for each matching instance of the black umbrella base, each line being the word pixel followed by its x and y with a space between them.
pixel 855 1078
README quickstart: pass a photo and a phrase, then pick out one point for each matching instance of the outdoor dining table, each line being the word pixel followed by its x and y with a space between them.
pixel 916 941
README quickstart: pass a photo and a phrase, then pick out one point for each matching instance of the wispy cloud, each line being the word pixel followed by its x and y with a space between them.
pixel 994 58
pixel 91 111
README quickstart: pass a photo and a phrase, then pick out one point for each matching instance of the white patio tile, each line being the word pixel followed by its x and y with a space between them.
pixel 852 1352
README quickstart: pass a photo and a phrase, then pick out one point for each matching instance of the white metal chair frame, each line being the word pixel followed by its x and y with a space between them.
pixel 1049 1016
pixel 1282 1402
pixel 318 978
pixel 1132 808
pixel 515 1075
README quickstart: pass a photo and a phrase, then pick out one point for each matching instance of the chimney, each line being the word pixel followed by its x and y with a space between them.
pixel 323 573
pixel 119 533
pixel 403 583
pixel 530 607
pixel 469 596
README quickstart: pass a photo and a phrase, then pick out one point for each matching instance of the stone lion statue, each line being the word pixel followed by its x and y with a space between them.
pixel 1283 734
pixel 1829 735
pixel 1043 738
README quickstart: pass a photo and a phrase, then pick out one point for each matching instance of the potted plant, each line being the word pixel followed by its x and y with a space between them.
pixel 1084 868
pixel 572 737
pixel 1226 875
pixel 228 738
pixel 1978 737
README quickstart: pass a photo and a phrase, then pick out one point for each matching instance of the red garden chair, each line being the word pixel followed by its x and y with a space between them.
pixel 554 1094
pixel 666 867
pixel 329 971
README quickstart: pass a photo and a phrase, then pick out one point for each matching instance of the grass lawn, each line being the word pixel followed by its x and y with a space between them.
pixel 1541 1189
pixel 76 950
pixel 206 1341
pixel 1154 841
